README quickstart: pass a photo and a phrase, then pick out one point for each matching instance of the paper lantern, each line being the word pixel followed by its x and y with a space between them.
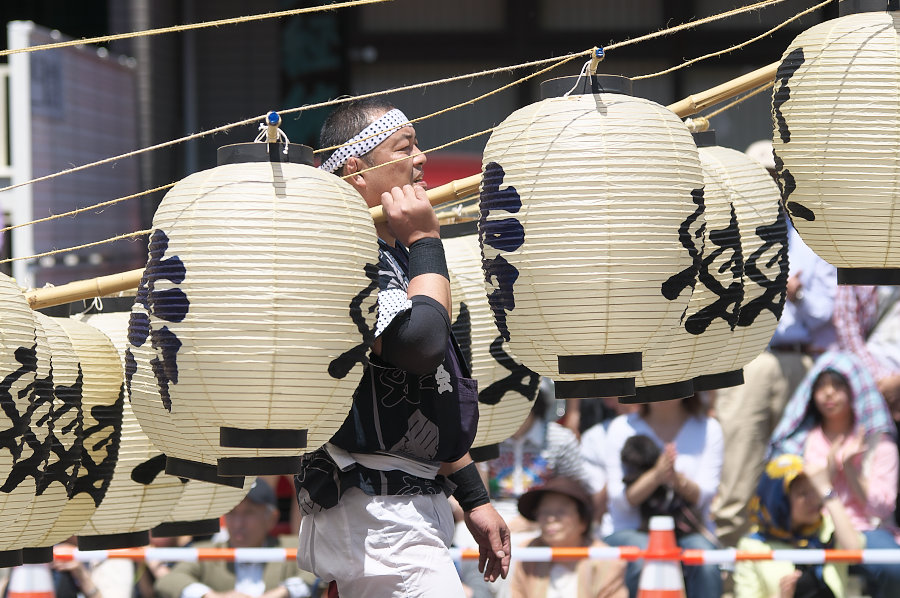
pixel 712 335
pixel 55 421
pixel 506 388
pixel 201 505
pixel 22 455
pixel 734 178
pixel 836 112
pixel 75 429
pixel 590 229
pixel 140 495
pixel 250 326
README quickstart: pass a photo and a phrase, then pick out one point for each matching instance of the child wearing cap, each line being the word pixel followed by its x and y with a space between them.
pixel 786 512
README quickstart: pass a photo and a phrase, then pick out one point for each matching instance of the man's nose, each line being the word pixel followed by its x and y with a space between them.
pixel 419 158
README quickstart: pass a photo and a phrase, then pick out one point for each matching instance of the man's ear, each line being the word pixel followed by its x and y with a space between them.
pixel 353 167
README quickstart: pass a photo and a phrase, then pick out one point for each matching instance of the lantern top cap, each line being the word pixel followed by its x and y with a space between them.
pixel 849 7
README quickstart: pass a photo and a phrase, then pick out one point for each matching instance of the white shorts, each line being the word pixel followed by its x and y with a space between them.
pixel 382 546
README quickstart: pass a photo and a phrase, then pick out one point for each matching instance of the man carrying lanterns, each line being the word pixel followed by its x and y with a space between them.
pixel 375 514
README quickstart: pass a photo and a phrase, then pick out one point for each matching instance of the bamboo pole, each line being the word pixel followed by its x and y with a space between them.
pixel 115 283
pixel 125 281
pixel 453 190
pixel 697 102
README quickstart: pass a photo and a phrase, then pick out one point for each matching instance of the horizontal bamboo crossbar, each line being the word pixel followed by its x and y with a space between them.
pixel 700 101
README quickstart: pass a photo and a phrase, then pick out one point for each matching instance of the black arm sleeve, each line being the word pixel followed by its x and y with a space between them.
pixel 416 340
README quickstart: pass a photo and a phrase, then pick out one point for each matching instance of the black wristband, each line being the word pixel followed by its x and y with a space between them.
pixel 470 491
pixel 427 256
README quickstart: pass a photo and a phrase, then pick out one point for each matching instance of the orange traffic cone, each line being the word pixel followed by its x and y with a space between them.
pixel 661 576
pixel 31 581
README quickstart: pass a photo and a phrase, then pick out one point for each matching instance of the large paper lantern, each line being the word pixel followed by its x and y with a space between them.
pixel 22 457
pixel 56 421
pixel 250 326
pixel 140 495
pixel 591 232
pixel 506 388
pixel 836 112
pixel 201 505
pixel 712 335
pixel 80 441
pixel 748 188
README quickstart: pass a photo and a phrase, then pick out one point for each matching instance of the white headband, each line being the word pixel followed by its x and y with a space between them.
pixel 367 139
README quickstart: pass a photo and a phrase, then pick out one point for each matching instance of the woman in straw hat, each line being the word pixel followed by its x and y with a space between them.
pixel 563 510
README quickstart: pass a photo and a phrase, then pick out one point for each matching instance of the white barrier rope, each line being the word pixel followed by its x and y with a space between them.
pixel 533 554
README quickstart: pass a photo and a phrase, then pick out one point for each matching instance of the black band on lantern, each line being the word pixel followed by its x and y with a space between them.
pixel 113 541
pixel 241 466
pixel 589 84
pixel 202 527
pixel 239 153
pixel 484 453
pixel 599 364
pixel 594 389
pixel 873 276
pixel 716 381
pixel 13 558
pixel 704 138
pixel 849 7
pixel 37 556
pixel 459 229
pixel 194 470
pixel 660 392
pixel 262 438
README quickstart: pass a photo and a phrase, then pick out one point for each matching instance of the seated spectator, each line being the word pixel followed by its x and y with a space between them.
pixel 689 465
pixel 248 525
pixel 563 510
pixel 592 453
pixel 149 571
pixel 841 425
pixel 102 578
pixel 786 512
pixel 867 320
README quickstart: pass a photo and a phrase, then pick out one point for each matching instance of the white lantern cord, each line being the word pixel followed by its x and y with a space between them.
pixel 270 131
pixel 589 68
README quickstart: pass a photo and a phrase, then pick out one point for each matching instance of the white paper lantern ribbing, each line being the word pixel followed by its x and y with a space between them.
pixel 251 319
pixel 140 495
pixel 712 334
pixel 836 112
pixel 506 388
pixel 201 505
pixel 592 207
pixel 21 458
pixel 55 430
pixel 761 221
pixel 69 424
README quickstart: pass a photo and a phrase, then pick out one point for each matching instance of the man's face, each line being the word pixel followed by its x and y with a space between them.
pixel 249 523
pixel 407 170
